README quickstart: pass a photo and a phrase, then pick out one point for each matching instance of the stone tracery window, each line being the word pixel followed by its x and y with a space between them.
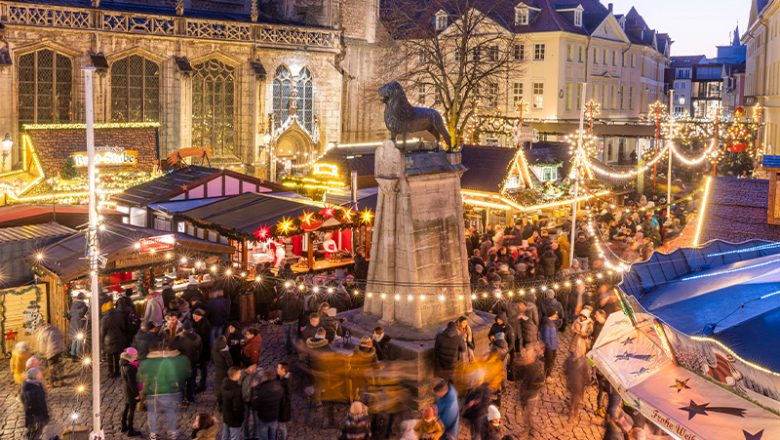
pixel 45 87
pixel 284 85
pixel 306 100
pixel 135 90
pixel 213 106
pixel 282 88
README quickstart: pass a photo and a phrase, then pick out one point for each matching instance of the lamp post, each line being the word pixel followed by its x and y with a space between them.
pixel 7 144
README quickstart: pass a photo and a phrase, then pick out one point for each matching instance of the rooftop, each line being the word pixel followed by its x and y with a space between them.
pixel 737 211
pixel 34 232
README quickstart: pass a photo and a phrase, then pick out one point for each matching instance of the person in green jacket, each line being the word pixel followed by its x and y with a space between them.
pixel 163 374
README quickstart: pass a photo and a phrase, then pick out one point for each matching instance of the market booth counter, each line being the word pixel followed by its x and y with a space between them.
pixel 276 229
pixel 131 257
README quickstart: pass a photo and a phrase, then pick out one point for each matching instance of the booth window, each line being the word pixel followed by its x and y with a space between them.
pixel 135 90
pixel 45 87
pixel 213 106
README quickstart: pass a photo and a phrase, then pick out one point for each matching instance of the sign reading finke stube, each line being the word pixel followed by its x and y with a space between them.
pixel 108 156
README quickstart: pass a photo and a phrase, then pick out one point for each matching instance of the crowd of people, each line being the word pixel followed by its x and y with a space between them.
pixel 177 346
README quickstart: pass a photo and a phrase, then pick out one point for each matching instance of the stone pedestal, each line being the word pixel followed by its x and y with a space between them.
pixel 418 275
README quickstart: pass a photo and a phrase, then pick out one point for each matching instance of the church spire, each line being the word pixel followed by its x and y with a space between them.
pixel 735 40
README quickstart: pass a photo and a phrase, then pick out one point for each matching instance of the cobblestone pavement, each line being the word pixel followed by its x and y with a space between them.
pixel 308 422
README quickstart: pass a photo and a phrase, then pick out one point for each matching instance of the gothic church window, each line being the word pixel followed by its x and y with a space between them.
pixel 213 106
pixel 45 87
pixel 283 85
pixel 135 90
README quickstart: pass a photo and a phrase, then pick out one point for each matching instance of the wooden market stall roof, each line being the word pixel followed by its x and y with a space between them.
pixel 244 214
pixel 67 257
pixel 33 232
pixel 179 181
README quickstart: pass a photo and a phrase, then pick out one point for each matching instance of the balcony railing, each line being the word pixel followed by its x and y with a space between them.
pixel 24 14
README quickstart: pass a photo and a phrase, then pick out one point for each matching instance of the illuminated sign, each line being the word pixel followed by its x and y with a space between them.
pixel 325 169
pixel 108 156
pixel 159 243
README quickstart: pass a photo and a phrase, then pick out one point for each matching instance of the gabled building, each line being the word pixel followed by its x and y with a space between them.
pixel 681 81
pixel 762 70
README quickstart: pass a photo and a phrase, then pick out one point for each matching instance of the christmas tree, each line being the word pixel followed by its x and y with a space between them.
pixel 68 170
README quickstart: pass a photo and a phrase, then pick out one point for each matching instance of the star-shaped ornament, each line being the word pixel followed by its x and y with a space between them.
pixel 680 385
pixel 694 409
pixel 756 436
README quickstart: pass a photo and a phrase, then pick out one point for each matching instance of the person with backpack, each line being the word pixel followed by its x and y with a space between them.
pixel 132 321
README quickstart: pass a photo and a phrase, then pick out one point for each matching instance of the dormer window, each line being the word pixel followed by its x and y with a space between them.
pixel 441 20
pixel 578 17
pixel 521 15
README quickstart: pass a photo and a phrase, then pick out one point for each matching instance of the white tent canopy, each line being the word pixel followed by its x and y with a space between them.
pixel 684 404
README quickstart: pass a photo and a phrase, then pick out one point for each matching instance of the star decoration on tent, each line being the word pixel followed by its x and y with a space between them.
pixel 625 356
pixel 628 340
pixel 694 409
pixel 756 436
pixel 680 384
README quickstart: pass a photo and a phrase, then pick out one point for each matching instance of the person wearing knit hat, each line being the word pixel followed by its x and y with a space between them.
pixel 582 328
pixel 492 426
pixel 429 427
pixel 36 410
pixel 128 369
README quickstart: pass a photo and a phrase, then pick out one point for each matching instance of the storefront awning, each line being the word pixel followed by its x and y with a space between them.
pixel 684 404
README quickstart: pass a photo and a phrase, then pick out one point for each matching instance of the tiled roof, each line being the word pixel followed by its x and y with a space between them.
pixel 737 211
pixel 486 167
pixel 545 16
pixel 34 232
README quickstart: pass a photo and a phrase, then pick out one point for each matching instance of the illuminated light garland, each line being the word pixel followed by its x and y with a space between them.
pixel 79 126
pixel 692 162
pixel 702 211
pixel 735 355
pixel 627 174
pixel 751 249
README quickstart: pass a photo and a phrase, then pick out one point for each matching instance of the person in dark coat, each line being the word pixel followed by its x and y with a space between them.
pixel 220 356
pixel 529 377
pixel 168 295
pixel 192 293
pixel 291 309
pixel 113 335
pixel 146 338
pixel 447 350
pixel 128 366
pixel 203 329
pixel 381 344
pixel 285 409
pixel 529 321
pixel 549 304
pixel 264 291
pixel 232 405
pixel 266 401
pixel 235 341
pixel 132 321
pixel 189 344
pixel 311 328
pixel 78 325
pixel 218 312
pixel 361 268
pixel 36 408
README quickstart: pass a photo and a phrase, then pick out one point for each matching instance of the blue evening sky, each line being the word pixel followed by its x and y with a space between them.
pixel 696 26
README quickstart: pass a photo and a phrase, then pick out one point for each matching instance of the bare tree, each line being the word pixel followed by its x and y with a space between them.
pixel 458 51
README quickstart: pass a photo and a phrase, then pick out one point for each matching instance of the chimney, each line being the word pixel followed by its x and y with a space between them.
pixel 609 6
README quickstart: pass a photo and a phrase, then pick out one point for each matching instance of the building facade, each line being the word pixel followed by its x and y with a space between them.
pixel 256 82
pixel 762 70
pixel 560 47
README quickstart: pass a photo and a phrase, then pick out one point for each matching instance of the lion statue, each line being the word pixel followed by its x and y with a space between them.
pixel 402 118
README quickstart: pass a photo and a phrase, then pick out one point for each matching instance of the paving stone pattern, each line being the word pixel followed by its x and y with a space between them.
pixel 308 420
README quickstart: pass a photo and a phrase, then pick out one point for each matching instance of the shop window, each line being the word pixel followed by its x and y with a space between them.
pixel 135 90
pixel 45 87
pixel 213 107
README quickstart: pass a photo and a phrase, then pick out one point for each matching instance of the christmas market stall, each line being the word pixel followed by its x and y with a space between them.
pixel 133 258
pixel 500 185
pixel 277 229
pixel 193 185
pixel 688 352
